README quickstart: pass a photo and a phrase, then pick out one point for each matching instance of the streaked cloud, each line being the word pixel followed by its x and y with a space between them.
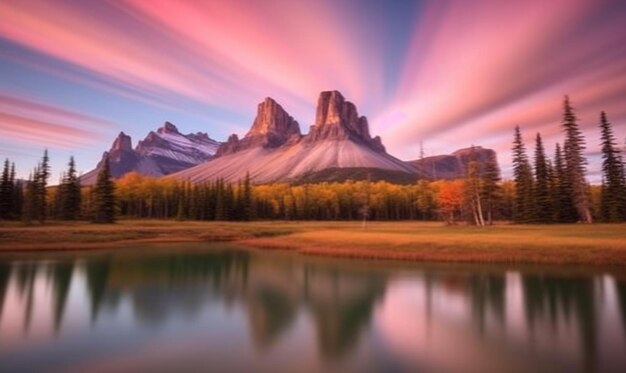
pixel 38 123
pixel 461 72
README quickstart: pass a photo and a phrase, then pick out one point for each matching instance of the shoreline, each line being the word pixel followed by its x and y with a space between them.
pixel 598 245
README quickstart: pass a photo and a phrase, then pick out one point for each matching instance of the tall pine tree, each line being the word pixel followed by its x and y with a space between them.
pixel 613 199
pixel 542 197
pixel 18 197
pixel 491 186
pixel 575 163
pixel 565 211
pixel 247 198
pixel 6 192
pixel 41 182
pixel 70 196
pixel 523 178
pixel 31 198
pixel 103 197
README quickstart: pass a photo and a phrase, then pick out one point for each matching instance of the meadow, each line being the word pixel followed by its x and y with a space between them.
pixel 597 244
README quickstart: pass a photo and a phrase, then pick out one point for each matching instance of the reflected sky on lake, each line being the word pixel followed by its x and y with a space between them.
pixel 237 310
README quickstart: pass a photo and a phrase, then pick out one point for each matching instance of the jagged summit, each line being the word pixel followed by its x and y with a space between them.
pixel 338 147
pixel 168 127
pixel 275 150
pixel 160 153
pixel 122 142
pixel 272 128
pixel 338 119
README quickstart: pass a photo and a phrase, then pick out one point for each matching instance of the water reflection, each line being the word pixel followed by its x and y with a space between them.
pixel 551 300
pixel 273 311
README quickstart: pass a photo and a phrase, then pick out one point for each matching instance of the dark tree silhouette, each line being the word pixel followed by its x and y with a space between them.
pixel 104 197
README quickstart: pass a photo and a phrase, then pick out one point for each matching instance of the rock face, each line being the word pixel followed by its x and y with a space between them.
pixel 453 166
pixel 338 147
pixel 122 158
pixel 122 143
pixel 162 152
pixel 272 128
pixel 338 119
pixel 274 150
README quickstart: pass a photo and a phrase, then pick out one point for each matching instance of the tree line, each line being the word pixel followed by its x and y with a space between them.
pixel 542 191
pixel 33 200
pixel 556 190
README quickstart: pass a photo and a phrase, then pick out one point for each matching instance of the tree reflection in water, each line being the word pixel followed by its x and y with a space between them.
pixel 337 298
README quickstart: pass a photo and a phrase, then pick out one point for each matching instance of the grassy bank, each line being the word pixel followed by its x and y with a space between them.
pixel 600 244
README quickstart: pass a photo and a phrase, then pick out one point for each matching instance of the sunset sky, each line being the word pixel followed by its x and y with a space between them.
pixel 448 73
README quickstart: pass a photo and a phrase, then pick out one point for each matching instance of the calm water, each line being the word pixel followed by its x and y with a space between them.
pixel 222 309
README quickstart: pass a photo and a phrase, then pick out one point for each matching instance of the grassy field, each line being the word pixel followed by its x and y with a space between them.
pixel 598 244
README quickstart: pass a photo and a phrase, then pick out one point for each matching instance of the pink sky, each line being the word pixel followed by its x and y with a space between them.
pixel 448 73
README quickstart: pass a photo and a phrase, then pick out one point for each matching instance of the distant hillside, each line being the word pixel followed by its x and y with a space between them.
pixel 453 166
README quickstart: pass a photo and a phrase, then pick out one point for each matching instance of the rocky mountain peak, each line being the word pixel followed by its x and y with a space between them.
pixel 168 127
pixel 338 119
pixel 161 152
pixel 122 142
pixel 272 128
pixel 273 123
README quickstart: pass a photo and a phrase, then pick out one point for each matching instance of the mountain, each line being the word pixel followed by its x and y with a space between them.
pixel 453 166
pixel 275 150
pixel 161 153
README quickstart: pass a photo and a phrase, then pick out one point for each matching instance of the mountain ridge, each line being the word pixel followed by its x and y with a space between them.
pixel 339 138
pixel 160 153
pixel 337 147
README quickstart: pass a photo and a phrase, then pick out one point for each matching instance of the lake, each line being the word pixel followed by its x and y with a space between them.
pixel 193 307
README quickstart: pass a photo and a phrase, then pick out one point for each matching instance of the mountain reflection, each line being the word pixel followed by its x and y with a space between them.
pixel 163 286
pixel 339 300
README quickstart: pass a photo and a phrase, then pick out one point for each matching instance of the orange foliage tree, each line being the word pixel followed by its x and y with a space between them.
pixel 450 198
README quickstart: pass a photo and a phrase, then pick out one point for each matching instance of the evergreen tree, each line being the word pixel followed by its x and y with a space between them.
pixel 6 192
pixel 41 183
pixel 612 199
pixel 542 196
pixel 247 199
pixel 18 196
pixel 69 191
pixel 575 163
pixel 220 201
pixel 30 198
pixel 562 197
pixel 491 186
pixel 104 197
pixel 523 178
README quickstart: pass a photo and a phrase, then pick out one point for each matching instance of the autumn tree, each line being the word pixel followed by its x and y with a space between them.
pixel 575 162
pixel 450 199
pixel 426 200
